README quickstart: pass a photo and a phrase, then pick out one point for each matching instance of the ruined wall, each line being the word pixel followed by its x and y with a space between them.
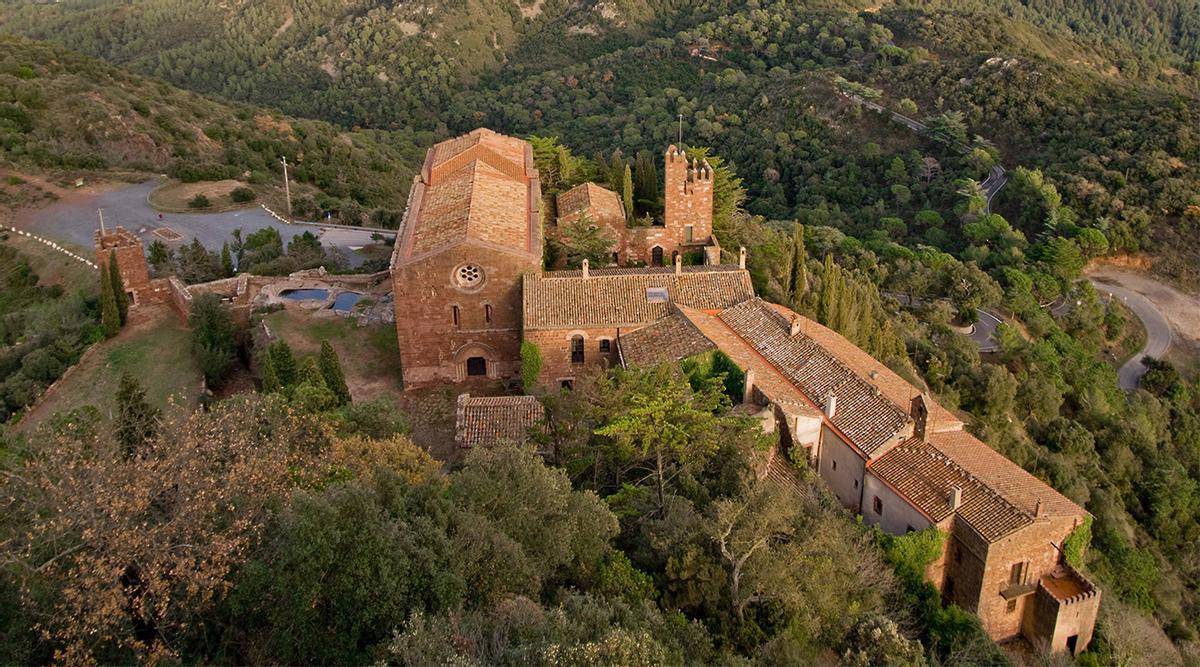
pixel 131 262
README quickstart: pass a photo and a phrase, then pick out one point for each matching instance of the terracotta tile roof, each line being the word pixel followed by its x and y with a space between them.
pixel 893 387
pixel 862 413
pixel 601 204
pixel 480 188
pixel 567 300
pixel 925 476
pixel 1006 478
pixel 672 338
pixel 484 421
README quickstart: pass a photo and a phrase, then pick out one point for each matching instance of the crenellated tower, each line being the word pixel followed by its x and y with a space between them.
pixel 688 197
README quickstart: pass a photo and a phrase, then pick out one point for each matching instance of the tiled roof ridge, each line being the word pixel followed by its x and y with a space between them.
pixel 626 271
pixel 850 375
pixel 940 456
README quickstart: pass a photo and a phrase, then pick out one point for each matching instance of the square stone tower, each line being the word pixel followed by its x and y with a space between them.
pixel 688 198
pixel 131 261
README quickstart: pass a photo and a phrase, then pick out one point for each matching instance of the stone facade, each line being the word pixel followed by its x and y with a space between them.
pixel 131 262
pixel 471 231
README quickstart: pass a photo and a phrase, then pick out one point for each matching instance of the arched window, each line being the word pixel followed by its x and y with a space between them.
pixel 656 256
pixel 577 349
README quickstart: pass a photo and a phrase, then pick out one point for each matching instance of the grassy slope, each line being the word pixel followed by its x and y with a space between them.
pixel 155 348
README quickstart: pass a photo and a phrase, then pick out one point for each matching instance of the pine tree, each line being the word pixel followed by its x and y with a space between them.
pixel 118 288
pixel 799 264
pixel 270 380
pixel 627 193
pixel 331 370
pixel 226 261
pixel 137 420
pixel 284 363
pixel 110 314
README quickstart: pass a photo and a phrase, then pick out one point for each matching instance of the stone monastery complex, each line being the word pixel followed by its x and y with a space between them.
pixel 469 288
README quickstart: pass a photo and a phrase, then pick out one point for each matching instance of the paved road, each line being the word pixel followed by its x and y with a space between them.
pixel 76 222
pixel 995 180
pixel 1158 330
pixel 983 332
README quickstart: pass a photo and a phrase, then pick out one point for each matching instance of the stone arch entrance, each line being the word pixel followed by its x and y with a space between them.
pixel 656 256
pixel 475 360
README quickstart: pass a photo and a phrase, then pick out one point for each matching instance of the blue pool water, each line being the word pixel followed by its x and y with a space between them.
pixel 305 294
pixel 346 300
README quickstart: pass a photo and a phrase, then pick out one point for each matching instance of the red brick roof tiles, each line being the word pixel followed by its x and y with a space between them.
pixel 484 421
pixel 672 338
pixel 925 476
pixel 567 300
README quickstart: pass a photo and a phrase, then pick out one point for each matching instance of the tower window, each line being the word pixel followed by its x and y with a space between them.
pixel 877 505
pixel 577 349
pixel 656 256
pixel 605 345
pixel 687 233
pixel 487 312
pixel 468 275
pixel 457 321
pixel 1017 574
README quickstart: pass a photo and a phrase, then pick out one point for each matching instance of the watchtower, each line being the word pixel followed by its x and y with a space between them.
pixel 688 197
pixel 131 260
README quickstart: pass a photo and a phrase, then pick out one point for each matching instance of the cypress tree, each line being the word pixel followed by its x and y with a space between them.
pixel 310 373
pixel 284 363
pixel 118 288
pixel 799 264
pixel 270 381
pixel 110 315
pixel 331 370
pixel 137 420
pixel 646 178
pixel 627 193
pixel 226 261
pixel 827 306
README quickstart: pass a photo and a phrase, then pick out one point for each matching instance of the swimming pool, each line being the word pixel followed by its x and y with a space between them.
pixel 305 294
pixel 345 301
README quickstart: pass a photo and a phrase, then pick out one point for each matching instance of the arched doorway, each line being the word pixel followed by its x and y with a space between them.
pixel 476 367
pixel 656 256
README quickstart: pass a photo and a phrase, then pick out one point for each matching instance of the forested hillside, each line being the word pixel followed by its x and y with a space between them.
pixel 1093 108
pixel 60 110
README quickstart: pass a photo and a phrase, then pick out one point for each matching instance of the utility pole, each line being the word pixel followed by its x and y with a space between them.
pixel 287 190
pixel 680 144
pixel 101 212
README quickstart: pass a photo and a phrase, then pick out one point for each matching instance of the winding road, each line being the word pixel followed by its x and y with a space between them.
pixel 1133 290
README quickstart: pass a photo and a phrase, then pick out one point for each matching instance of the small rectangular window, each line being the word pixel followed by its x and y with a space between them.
pixel 877 505
pixel 487 312
pixel 687 233
pixel 835 464
pixel 1017 574
pixel 1012 606
pixel 605 345
pixel 456 320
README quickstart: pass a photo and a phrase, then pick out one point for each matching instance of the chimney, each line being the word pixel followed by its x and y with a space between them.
pixel 585 268
pixel 1037 509
pixel 955 498
pixel 795 328
pixel 742 257
pixel 748 390
pixel 830 405
pixel 678 264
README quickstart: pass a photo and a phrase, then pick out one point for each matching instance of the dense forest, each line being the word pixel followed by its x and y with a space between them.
pixel 1093 107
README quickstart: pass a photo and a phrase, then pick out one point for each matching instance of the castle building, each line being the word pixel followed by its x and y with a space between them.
pixel 469 289
pixel 901 461
pixel 687 215
pixel 131 261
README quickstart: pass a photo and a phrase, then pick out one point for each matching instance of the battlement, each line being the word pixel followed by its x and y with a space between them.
pixel 118 237
pixel 685 172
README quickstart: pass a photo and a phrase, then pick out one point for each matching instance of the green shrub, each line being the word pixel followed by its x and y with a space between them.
pixel 242 195
pixel 199 201
pixel 531 364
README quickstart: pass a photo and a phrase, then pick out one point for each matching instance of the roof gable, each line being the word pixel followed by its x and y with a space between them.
pixel 485 421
